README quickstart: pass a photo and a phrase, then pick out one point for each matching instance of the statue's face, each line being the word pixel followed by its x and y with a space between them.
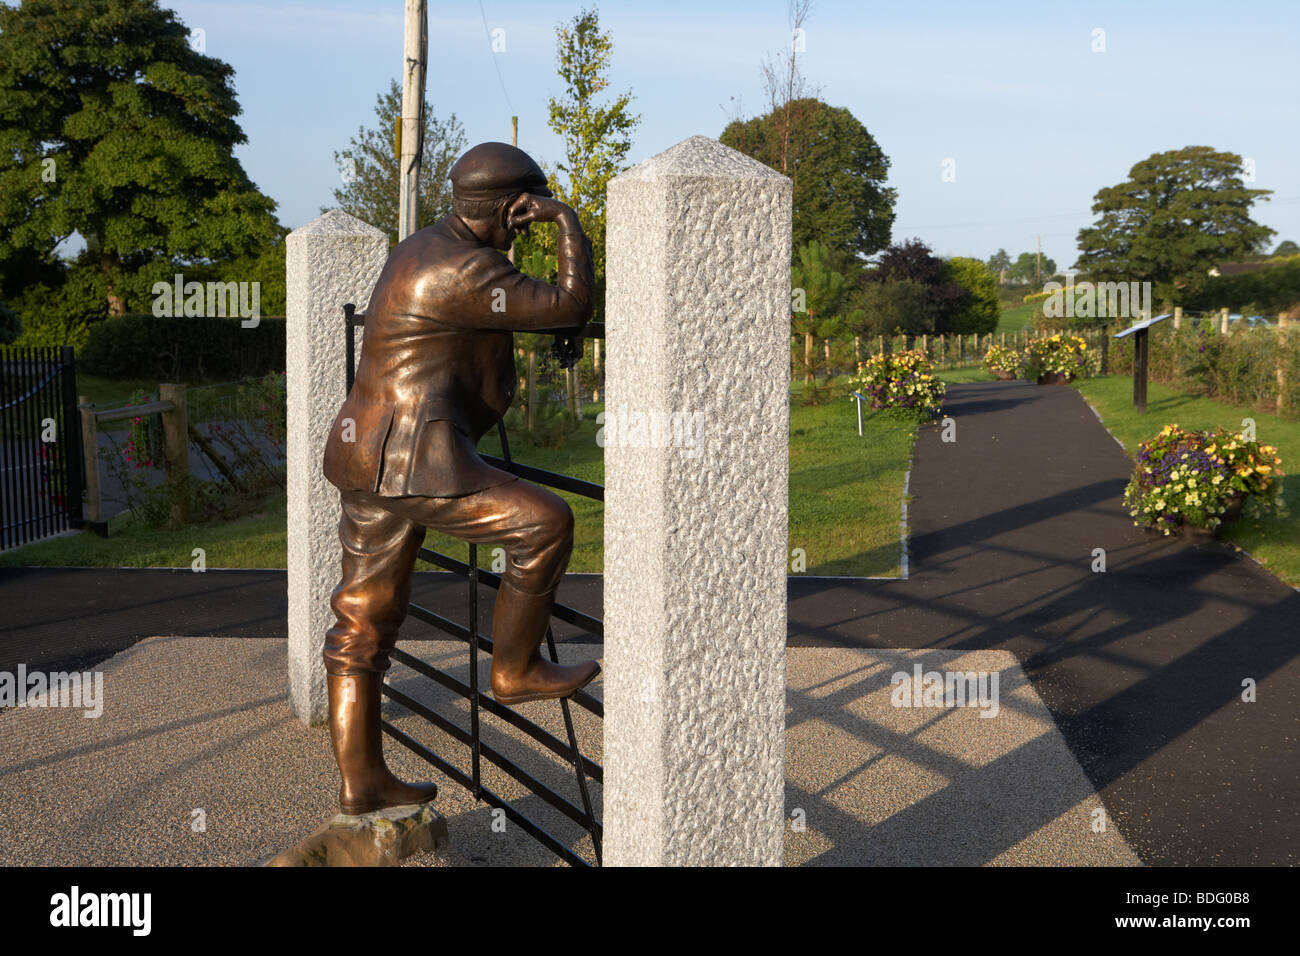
pixel 496 231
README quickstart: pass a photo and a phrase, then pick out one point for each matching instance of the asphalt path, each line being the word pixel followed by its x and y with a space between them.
pixel 1142 665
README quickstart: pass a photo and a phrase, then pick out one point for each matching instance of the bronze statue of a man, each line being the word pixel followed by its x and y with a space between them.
pixel 437 371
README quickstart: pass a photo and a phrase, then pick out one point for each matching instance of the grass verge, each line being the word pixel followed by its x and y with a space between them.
pixel 1015 318
pixel 1273 539
pixel 845 493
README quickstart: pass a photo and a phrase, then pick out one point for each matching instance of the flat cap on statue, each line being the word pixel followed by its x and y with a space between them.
pixel 491 170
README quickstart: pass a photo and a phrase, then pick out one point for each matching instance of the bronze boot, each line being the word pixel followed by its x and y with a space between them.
pixel 368 784
pixel 519 672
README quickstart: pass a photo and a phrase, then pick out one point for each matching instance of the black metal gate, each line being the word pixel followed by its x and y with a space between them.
pixel 40 444
pixel 584 770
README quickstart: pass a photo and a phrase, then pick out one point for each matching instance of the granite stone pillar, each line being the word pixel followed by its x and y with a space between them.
pixel 696 436
pixel 333 260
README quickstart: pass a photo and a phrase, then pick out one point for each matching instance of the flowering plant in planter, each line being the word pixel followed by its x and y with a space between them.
pixel 1253 470
pixel 1003 359
pixel 900 380
pixel 1059 354
pixel 1186 478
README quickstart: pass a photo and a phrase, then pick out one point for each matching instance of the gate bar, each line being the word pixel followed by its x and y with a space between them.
pixel 513 718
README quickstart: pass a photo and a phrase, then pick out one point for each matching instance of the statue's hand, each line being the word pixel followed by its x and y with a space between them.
pixel 529 208
pixel 567 349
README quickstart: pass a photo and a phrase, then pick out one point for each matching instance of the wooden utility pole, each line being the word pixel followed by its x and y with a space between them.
pixel 414 52
pixel 514 141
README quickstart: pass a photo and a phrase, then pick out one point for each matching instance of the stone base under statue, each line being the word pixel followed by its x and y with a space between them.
pixel 383 838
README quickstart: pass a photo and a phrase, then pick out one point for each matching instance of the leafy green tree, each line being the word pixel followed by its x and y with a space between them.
pixel 1026 268
pixel 1177 215
pixel 837 169
pixel 998 265
pixel 981 311
pixel 113 127
pixel 818 291
pixel 914 262
pixel 897 306
pixel 10 324
pixel 597 136
pixel 1287 248
pixel 369 167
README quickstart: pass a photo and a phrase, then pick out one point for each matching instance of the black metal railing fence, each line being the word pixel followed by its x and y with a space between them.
pixel 40 444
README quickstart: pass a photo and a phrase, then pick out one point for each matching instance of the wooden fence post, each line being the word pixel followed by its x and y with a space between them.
pixel 176 451
pixel 1282 323
pixel 1178 317
pixel 90 455
pixel 530 398
pixel 1223 321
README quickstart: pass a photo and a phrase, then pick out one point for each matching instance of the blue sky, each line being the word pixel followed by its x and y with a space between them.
pixel 1035 121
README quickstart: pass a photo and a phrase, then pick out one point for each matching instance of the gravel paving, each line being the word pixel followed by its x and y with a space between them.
pixel 196 761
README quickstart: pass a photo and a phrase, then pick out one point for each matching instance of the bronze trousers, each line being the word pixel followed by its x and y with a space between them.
pixel 380 538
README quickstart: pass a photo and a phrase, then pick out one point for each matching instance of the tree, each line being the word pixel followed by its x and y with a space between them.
pixel 1178 214
pixel 597 136
pixel 838 172
pixel 369 166
pixel 818 291
pixel 1287 248
pixel 789 97
pixel 114 127
pixel 10 324
pixel 981 311
pixel 897 306
pixel 1026 268
pixel 837 169
pixel 912 261
pixel 998 265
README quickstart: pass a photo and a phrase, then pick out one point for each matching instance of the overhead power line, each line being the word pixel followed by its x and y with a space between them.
pixel 487 32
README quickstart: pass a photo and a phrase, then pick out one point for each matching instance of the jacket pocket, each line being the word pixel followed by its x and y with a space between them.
pixel 354 452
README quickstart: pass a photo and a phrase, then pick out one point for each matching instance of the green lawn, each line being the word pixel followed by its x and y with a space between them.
pixel 976 373
pixel 845 494
pixel 253 541
pixel 1015 318
pixel 111 392
pixel 1273 539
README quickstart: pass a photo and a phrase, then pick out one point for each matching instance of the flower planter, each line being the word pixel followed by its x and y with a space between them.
pixel 1004 375
pixel 1196 536
pixel 1054 378
pixel 1232 509
pixel 1189 534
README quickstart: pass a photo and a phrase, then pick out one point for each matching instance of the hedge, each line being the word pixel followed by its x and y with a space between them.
pixel 183 349
pixel 1240 367
pixel 1275 289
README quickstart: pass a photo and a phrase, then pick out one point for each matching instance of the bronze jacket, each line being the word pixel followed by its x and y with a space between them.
pixel 437 366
